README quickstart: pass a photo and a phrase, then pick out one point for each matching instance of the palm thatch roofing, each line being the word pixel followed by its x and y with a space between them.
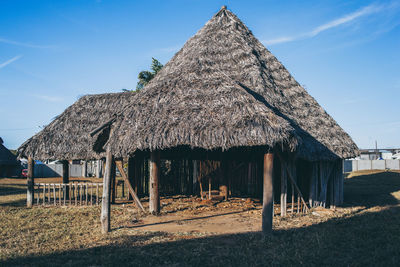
pixel 67 136
pixel 6 157
pixel 223 90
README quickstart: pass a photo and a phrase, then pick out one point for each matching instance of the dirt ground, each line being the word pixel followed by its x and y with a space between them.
pixel 191 231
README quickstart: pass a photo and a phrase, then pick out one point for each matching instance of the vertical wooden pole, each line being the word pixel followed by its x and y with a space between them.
pixel 154 204
pixel 283 191
pixel 131 175
pixel 65 176
pixel 105 203
pixel 223 188
pixel 268 194
pixel 195 177
pixel 113 182
pixel 30 183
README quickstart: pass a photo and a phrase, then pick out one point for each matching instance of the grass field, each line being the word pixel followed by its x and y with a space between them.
pixel 365 231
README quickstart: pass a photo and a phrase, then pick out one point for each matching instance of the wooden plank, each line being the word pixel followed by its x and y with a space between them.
pixel 292 180
pixel 30 183
pixel 154 203
pixel 130 188
pixel 105 204
pixel 268 201
pixel 54 194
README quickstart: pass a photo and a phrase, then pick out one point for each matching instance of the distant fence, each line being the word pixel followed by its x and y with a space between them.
pixel 359 165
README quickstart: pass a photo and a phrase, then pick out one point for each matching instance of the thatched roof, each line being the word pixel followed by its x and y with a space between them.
pixel 224 89
pixel 67 136
pixel 6 157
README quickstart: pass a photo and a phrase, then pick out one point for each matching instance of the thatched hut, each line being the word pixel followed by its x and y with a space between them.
pixel 8 161
pixel 66 137
pixel 224 97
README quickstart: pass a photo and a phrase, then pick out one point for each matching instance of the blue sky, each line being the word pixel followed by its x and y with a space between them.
pixel 345 53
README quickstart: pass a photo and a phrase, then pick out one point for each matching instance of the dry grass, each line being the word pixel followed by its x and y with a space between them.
pixel 363 232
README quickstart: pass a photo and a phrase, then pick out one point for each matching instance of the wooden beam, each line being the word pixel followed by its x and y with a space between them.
pixel 30 183
pixel 113 182
pixel 105 203
pixel 98 129
pixel 154 203
pixel 130 188
pixel 268 200
pixel 293 181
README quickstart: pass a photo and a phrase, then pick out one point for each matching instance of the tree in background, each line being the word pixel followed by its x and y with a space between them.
pixel 145 76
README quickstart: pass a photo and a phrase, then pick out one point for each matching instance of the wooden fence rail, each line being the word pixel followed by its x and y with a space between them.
pixel 82 194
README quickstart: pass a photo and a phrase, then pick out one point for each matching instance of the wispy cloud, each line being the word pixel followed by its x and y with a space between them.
pixel 2 65
pixel 50 98
pixel 368 10
pixel 12 42
pixel 167 50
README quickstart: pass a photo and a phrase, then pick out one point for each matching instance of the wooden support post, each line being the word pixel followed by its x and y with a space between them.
pixel 268 192
pixel 113 182
pixel 283 191
pixel 131 191
pixel 209 187
pixel 65 177
pixel 105 203
pixel 131 175
pixel 293 182
pixel 223 188
pixel 154 204
pixel 292 197
pixel 30 183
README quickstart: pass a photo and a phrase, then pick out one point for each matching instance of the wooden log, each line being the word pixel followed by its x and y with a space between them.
pixel 30 183
pixel 105 204
pixel 113 182
pixel 293 181
pixel 283 191
pixel 224 179
pixel 268 200
pixel 130 188
pixel 154 204
pixel 65 176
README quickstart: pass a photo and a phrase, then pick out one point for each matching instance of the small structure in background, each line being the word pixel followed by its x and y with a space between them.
pixel 9 165
pixel 376 154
